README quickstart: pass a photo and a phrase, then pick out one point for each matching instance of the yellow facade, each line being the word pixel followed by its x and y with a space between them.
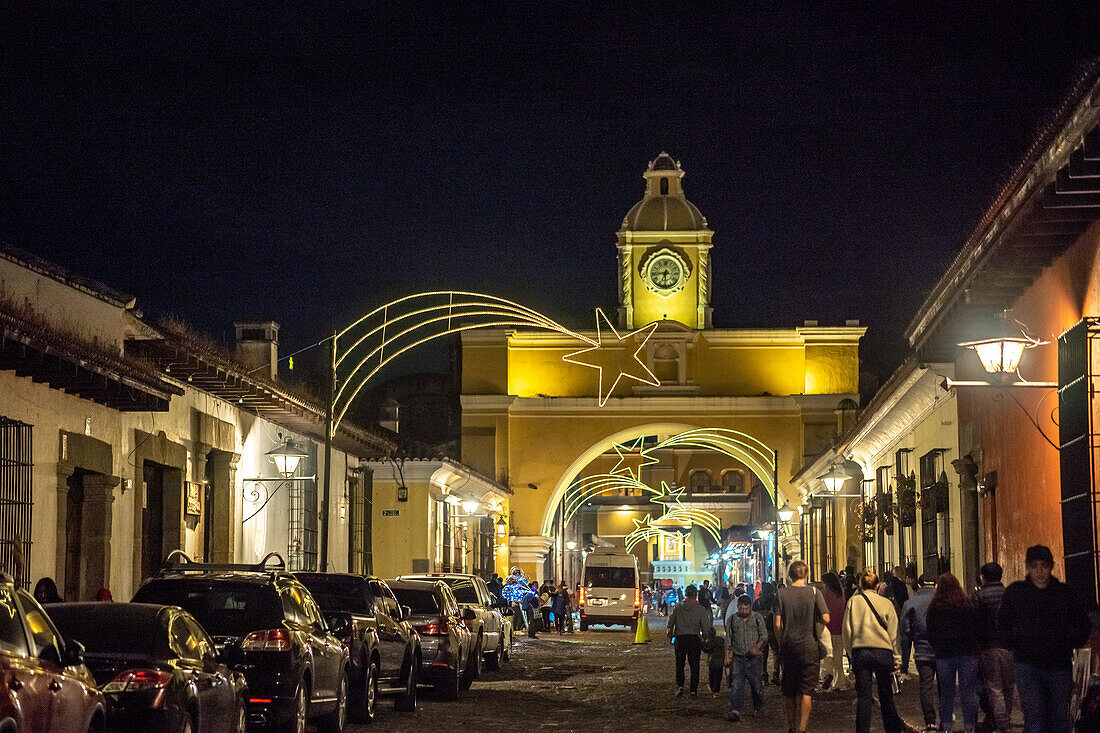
pixel 533 421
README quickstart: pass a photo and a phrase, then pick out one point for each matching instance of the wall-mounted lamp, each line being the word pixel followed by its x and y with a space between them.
pixel 1000 354
pixel 402 493
pixel 786 514
pixel 533 486
pixel 287 456
pixel 502 527
pixel 570 545
pixel 834 478
pixel 470 506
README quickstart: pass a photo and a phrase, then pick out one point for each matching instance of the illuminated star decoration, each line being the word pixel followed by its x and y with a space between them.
pixel 613 353
pixel 632 459
pixel 670 496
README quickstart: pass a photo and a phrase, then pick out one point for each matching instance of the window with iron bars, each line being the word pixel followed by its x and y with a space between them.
pixel 16 469
pixel 302 553
pixel 935 513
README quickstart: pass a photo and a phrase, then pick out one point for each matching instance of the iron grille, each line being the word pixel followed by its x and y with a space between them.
pixel 1078 455
pixel 303 526
pixel 16 468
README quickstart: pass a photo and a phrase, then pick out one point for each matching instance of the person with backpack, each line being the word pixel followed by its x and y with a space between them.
pixel 870 637
pixel 688 625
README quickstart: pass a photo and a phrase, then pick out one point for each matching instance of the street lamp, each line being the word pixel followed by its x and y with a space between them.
pixel 571 545
pixel 834 478
pixel 502 527
pixel 287 456
pixel 470 506
pixel 786 514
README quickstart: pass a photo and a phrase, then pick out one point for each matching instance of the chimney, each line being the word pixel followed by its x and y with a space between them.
pixel 258 346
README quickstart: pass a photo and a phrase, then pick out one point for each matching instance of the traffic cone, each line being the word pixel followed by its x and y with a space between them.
pixel 642 635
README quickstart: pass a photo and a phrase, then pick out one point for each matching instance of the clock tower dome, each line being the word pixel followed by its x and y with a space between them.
pixel 664 254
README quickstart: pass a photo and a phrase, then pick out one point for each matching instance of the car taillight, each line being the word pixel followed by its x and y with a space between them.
pixel 637 598
pixel 268 640
pixel 436 628
pixel 135 680
pixel 583 595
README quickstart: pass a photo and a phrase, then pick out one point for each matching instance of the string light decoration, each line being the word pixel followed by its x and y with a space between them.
pixel 626 455
pixel 611 352
pixel 370 343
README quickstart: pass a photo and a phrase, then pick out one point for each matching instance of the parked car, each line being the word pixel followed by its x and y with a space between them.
pixel 450 662
pixel 491 634
pixel 384 648
pixel 265 624
pixel 156 666
pixel 46 686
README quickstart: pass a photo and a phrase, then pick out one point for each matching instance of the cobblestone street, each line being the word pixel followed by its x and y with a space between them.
pixel 601 681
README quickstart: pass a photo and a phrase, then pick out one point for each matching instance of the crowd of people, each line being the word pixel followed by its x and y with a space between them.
pixel 984 650
pixel 537 607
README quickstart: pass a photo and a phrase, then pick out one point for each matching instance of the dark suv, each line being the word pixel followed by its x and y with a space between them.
pixel 266 625
pixel 384 647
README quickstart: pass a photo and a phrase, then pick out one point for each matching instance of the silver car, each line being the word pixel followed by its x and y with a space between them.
pixel 449 660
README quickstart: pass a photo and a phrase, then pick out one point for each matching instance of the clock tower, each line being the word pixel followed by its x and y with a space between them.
pixel 664 254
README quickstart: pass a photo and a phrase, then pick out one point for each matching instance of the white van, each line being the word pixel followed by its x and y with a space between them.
pixel 610 591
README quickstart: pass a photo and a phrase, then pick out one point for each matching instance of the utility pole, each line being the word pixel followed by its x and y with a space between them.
pixel 327 492
pixel 775 482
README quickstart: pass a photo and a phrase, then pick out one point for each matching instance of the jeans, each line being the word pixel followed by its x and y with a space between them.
pixel 878 663
pixel 716 678
pixel 999 681
pixel 742 670
pixel 688 647
pixel 530 614
pixel 966 668
pixel 906 653
pixel 929 697
pixel 1044 696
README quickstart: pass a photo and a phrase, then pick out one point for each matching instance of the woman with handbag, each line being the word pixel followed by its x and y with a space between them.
pixel 870 637
pixel 832 668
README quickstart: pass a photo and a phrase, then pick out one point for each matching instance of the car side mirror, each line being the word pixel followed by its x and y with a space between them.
pixel 469 614
pixel 337 624
pixel 406 612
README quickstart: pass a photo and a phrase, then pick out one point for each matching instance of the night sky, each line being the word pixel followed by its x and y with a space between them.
pixel 255 160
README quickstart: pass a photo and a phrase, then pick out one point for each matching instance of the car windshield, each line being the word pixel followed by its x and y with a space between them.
pixel 224 608
pixel 112 629
pixel 464 590
pixel 597 577
pixel 338 592
pixel 420 602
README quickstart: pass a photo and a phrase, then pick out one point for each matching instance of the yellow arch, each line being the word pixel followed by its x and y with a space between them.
pixel 639 431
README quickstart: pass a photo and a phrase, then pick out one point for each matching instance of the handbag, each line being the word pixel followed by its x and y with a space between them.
pixel 821 631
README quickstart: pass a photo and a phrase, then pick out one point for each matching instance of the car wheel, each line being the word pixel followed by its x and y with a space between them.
pixel 406 701
pixel 365 697
pixel 334 721
pixel 242 718
pixel 447 689
pixel 473 667
pixel 297 722
pixel 493 659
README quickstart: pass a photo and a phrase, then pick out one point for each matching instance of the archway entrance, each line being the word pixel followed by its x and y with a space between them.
pixel 671 493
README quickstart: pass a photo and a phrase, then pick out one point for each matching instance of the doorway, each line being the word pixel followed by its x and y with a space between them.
pixel 74 530
pixel 152 519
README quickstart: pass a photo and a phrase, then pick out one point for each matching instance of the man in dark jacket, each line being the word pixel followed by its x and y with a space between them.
pixel 1043 621
pixel 995 658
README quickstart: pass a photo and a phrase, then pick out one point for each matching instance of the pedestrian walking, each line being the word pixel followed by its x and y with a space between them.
pixel 832 667
pixel 870 637
pixel 714 646
pixel 530 605
pixel 995 658
pixel 914 630
pixel 546 598
pixel 1043 621
pixel 746 640
pixel 560 606
pixel 801 608
pixel 766 605
pixel 706 597
pixel 953 632
pixel 687 627
pixel 898 591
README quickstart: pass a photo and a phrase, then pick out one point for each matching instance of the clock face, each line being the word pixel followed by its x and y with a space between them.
pixel 665 272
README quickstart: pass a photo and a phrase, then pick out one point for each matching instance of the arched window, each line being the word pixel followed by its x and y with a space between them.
pixel 700 482
pixel 664 187
pixel 733 481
